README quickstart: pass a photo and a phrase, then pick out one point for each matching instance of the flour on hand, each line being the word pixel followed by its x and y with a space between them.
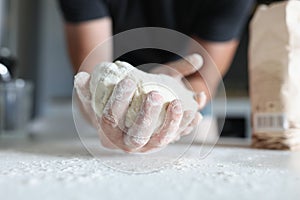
pixel 106 75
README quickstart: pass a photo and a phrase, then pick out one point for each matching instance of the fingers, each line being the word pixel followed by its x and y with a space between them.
pixel 113 135
pixel 140 132
pixel 167 132
pixel 189 65
pixel 198 117
pixel 112 120
pixel 187 118
pixel 118 103
pixel 183 67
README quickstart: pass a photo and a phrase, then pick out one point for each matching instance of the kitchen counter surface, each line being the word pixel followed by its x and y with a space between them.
pixel 39 167
pixel 65 170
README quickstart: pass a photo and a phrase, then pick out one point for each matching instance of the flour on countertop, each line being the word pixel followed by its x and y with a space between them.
pixel 226 171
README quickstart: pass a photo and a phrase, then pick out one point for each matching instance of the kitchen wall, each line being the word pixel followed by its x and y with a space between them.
pixel 58 75
pixel 41 53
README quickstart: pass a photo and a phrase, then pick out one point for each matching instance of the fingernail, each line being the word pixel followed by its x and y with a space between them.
pixel 196 60
pixel 110 119
pixel 201 98
pixel 155 98
pixel 200 95
pixel 134 142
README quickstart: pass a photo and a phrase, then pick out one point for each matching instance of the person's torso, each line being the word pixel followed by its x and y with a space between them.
pixel 177 15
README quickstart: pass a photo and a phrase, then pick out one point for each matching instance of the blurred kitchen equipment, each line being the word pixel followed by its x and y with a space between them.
pixel 4 73
pixel 15 103
pixel 8 61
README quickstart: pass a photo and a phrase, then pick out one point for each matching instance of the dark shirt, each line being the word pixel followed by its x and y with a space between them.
pixel 212 20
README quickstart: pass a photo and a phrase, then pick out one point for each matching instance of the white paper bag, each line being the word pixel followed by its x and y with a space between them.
pixel 274 68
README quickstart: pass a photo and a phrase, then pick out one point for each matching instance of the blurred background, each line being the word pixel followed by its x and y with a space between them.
pixel 32 30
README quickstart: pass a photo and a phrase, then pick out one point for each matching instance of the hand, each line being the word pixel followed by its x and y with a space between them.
pixel 140 137
pixel 182 70
pixel 179 70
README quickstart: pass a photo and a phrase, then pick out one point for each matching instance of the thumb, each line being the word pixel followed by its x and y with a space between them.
pixel 180 68
pixel 81 84
pixel 201 99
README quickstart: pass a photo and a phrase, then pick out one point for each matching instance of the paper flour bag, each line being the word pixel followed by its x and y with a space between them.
pixel 274 68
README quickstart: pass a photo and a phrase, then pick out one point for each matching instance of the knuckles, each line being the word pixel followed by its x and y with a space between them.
pixel 135 142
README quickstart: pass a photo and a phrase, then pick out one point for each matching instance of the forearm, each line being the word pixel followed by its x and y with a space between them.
pixel 82 38
pixel 217 59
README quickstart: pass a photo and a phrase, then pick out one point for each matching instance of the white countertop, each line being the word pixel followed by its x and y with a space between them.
pixel 63 169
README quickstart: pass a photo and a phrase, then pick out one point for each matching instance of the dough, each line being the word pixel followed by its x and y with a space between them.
pixel 106 75
pixel 274 66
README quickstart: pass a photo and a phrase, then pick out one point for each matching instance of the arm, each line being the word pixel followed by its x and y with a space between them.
pixel 217 57
pixel 218 33
pixel 221 54
pixel 83 37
